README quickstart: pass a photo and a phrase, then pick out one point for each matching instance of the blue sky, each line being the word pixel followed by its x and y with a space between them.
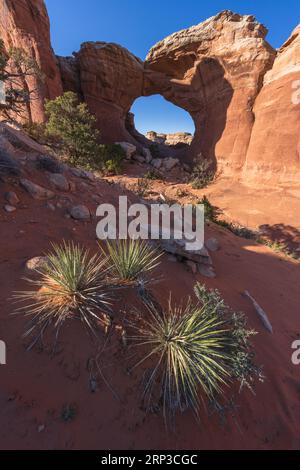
pixel 139 24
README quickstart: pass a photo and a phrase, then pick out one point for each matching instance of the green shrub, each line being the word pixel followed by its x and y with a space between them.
pixel 131 260
pixel 210 212
pixel 152 175
pixel 71 124
pixel 196 350
pixel 71 284
pixel 142 187
pixel 113 156
pixel 201 175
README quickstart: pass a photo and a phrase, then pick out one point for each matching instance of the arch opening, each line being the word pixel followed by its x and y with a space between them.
pixel 155 120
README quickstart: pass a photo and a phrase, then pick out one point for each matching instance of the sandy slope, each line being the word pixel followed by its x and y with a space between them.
pixel 35 386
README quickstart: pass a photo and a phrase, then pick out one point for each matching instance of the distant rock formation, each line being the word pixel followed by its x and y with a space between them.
pixel 235 86
pixel 178 138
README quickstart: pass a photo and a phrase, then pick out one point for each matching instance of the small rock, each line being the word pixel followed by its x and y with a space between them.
pixel 59 182
pixel 206 271
pixel 139 158
pixel 172 258
pixel 170 163
pixel 50 206
pixel 76 172
pixel 80 212
pixel 36 191
pixel 156 162
pixel 12 198
pixel 36 262
pixel 212 244
pixel 9 208
pixel 41 428
pixel 48 163
pixel 192 266
pixel 8 164
pixel 128 148
pixel 186 167
pixel 147 155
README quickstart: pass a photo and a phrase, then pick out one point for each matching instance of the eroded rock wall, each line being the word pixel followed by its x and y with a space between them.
pixel 25 24
pixel 273 154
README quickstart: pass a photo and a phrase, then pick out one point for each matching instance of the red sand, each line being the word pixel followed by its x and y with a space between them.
pixel 35 386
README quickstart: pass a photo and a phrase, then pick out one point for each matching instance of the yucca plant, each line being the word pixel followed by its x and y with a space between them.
pixel 72 284
pixel 192 351
pixel 131 260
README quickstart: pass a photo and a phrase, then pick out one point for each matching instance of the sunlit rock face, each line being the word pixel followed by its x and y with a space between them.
pixel 25 24
pixel 214 71
pixel 274 151
pixel 109 78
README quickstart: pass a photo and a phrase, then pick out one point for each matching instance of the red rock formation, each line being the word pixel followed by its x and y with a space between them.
pixel 221 71
pixel 178 138
pixel 111 78
pixel 25 24
pixel 274 151
pixel 214 70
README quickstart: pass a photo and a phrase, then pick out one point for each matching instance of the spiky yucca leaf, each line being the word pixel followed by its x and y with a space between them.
pixel 72 283
pixel 131 260
pixel 190 351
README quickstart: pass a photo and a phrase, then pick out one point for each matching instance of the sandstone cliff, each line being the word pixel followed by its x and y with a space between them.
pixel 25 24
pixel 274 151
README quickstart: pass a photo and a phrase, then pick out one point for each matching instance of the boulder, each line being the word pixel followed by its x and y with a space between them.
pixel 59 181
pixel 139 158
pixel 12 198
pixel 170 163
pixel 9 208
pixel 147 154
pixel 8 164
pixel 36 191
pixel 48 163
pixel 128 148
pixel 80 212
pixel 156 163
pixel 212 244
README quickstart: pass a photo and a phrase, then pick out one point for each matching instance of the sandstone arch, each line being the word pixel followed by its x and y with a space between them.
pixel 221 71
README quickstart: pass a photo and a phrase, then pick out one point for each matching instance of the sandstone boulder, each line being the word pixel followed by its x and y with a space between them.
pixel 36 191
pixel 80 212
pixel 59 181
pixel 128 148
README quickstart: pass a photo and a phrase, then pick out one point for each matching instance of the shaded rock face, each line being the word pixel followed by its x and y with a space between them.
pixel 25 24
pixel 214 71
pixel 274 151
